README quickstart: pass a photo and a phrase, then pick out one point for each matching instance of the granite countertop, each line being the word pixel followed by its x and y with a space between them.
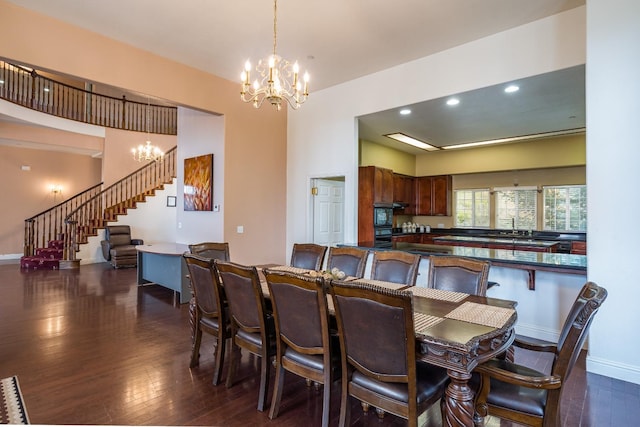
pixel 574 263
pixel 498 234
pixel 498 240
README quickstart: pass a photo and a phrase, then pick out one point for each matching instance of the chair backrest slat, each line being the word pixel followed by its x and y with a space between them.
pixel 204 285
pixel 213 250
pixel 308 255
pixel 395 266
pixel 459 274
pixel 388 354
pixel 351 261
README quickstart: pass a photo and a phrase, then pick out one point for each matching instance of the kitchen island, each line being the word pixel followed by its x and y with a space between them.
pixel 501 242
pixel 544 284
pixel 528 261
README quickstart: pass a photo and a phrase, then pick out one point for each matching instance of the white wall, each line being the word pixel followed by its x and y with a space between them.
pixel 322 139
pixel 200 133
pixel 613 150
pixel 322 135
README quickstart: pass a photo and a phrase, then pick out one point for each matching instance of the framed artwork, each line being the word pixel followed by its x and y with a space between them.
pixel 171 201
pixel 198 183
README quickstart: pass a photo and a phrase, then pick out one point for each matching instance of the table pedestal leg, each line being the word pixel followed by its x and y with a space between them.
pixel 457 408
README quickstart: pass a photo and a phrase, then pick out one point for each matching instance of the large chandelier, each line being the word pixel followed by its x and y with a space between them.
pixel 277 79
pixel 147 152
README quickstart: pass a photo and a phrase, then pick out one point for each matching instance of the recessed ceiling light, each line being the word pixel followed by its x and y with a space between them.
pixel 1 82
pixel 405 111
pixel 516 138
pixel 411 141
pixel 453 101
pixel 511 89
pixel 46 89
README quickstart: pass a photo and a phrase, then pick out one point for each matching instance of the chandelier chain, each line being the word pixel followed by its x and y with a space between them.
pixel 275 25
pixel 278 80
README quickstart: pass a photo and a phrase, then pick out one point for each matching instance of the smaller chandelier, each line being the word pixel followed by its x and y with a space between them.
pixel 147 152
pixel 277 80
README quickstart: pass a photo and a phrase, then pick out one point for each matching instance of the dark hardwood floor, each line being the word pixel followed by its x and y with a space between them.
pixel 90 347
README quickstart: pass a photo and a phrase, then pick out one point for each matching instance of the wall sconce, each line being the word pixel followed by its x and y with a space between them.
pixel 56 190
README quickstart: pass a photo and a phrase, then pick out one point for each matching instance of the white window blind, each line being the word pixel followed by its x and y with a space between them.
pixel 565 208
pixel 516 208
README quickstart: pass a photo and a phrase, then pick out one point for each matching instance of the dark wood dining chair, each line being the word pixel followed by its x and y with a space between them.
pixel 308 255
pixel 213 250
pixel 252 327
pixel 395 266
pixel 352 261
pixel 525 396
pixel 459 274
pixel 211 316
pixel 304 342
pixel 379 365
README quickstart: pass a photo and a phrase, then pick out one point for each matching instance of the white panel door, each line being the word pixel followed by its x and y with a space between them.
pixel 328 212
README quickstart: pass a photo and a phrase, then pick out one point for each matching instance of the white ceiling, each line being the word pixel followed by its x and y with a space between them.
pixel 335 40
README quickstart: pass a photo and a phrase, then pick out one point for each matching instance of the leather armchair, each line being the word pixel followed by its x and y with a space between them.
pixel 119 248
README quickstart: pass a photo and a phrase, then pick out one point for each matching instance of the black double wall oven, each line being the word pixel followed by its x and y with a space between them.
pixel 382 225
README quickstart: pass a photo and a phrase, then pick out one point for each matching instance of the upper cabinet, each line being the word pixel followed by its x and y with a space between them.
pixel 433 195
pixel 380 183
pixel 404 193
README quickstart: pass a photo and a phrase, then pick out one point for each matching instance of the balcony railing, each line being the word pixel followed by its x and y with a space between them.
pixel 29 89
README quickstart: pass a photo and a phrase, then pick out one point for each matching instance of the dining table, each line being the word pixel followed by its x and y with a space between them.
pixel 453 330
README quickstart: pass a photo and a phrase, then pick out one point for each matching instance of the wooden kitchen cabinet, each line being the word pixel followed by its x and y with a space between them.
pixel 579 247
pixel 375 185
pixel 433 195
pixel 407 238
pixel 426 239
pixel 382 184
pixel 404 192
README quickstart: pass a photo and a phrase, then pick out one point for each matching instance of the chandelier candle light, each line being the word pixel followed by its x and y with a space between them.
pixel 147 152
pixel 278 79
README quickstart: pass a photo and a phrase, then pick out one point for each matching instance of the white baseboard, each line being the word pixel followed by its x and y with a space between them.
pixel 620 371
pixel 537 332
pixel 10 256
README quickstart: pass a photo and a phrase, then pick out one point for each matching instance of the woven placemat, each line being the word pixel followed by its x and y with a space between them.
pixel 423 321
pixel 290 269
pixel 438 294
pixel 382 284
pixel 481 314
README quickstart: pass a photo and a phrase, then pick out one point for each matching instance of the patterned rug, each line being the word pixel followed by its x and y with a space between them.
pixel 12 410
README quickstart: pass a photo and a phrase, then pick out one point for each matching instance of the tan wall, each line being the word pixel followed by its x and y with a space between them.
pixel 255 140
pixel 542 153
pixel 26 193
pixel 372 154
pixel 118 161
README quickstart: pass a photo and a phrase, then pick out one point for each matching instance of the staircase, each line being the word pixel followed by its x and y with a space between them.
pixel 45 258
pixel 53 237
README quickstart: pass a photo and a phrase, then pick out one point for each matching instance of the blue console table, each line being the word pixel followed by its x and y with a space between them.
pixel 163 264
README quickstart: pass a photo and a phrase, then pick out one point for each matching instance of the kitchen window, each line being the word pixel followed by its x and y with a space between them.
pixel 565 208
pixel 516 208
pixel 472 208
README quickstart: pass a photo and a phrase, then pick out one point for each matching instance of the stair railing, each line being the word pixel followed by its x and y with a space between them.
pixel 28 88
pixel 114 200
pixel 49 224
